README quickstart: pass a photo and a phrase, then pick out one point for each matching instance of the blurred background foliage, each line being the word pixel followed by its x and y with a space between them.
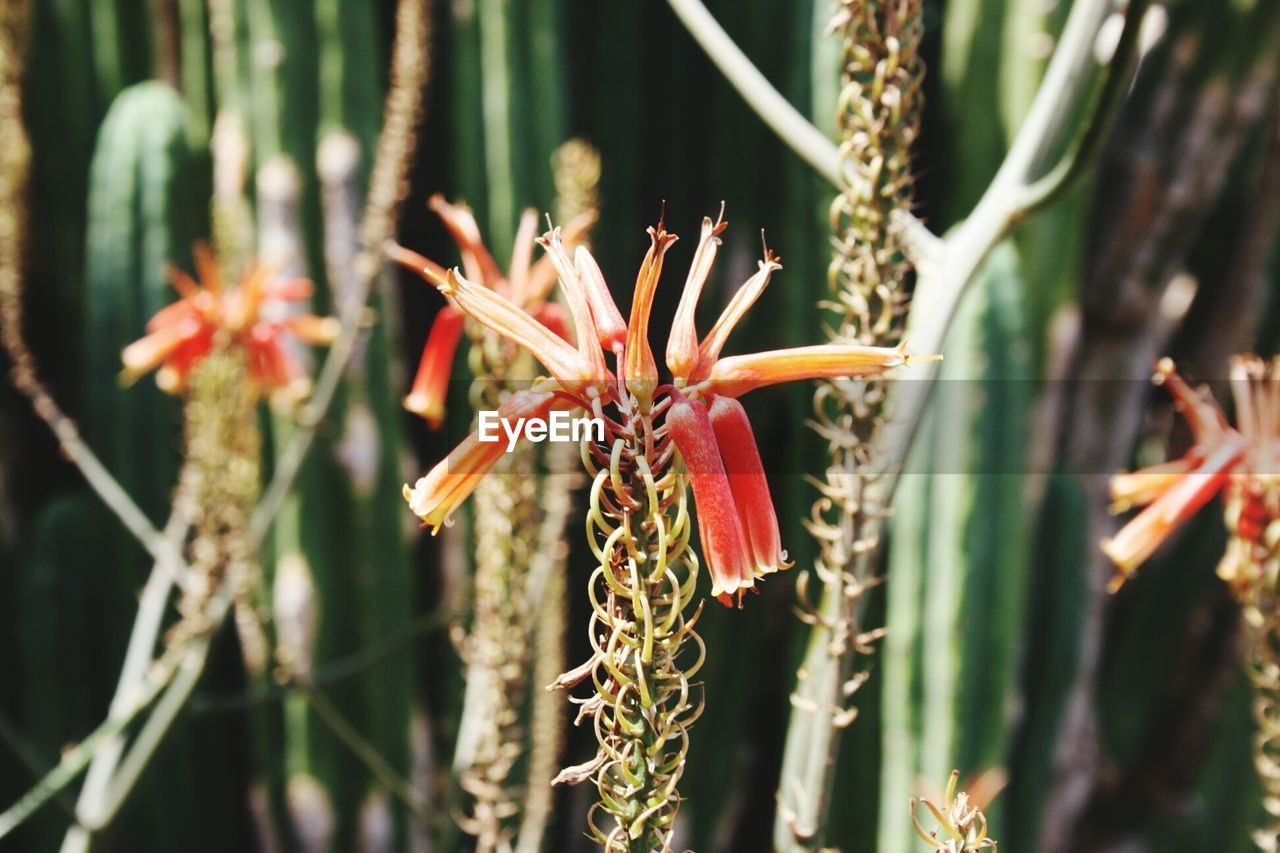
pixel 1122 723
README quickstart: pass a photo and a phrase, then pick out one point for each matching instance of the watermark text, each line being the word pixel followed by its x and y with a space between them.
pixel 561 426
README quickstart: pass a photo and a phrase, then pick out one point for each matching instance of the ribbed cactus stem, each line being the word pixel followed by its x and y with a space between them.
pixel 646 649
pixel 877 120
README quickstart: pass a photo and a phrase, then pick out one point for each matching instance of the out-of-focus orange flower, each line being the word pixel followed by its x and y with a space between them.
pixel 180 335
pixel 1222 460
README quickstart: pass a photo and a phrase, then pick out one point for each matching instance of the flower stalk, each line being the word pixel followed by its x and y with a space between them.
pixel 877 118
pixel 519 519
pixel 643 616
pixel 654 442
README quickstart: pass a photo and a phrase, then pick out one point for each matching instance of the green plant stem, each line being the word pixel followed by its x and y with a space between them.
pixel 1012 195
pixel 1009 198
pixel 138 655
pixel 186 657
pixel 330 673
pixel 794 129
pixel 365 751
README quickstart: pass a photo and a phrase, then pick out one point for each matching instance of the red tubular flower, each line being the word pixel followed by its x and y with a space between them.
pixel 437 494
pixel 1140 538
pixel 181 334
pixel 719 529
pixel 749 485
pixel 431 384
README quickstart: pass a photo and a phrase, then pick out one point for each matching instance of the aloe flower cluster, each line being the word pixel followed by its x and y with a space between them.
pixel 223 348
pixel 704 388
pixel 519 521
pixel 527 285
pixel 662 438
pixel 1242 465
pixel 253 316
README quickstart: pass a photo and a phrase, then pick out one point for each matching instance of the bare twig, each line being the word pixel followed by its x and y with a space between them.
pixel 138 656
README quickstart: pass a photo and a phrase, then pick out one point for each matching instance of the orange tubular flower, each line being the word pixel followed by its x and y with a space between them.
pixel 738 525
pixel 610 327
pixel 516 303
pixel 1174 491
pixel 640 370
pixel 718 522
pixel 435 496
pixel 181 334
pixel 682 343
pixel 736 375
pixel 749 485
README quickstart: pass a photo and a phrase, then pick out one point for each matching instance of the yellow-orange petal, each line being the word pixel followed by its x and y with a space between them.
pixel 431 272
pixel 1139 488
pixel 496 312
pixel 682 342
pixel 147 353
pixel 575 296
pixel 738 374
pixel 639 368
pixel 542 276
pixel 182 282
pixel 437 494
pixel 522 259
pixel 312 329
pixel 461 224
pixel 610 327
pixel 739 305
pixel 207 268
pixel 1140 538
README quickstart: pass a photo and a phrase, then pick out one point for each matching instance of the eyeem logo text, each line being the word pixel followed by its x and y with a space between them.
pixel 560 427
